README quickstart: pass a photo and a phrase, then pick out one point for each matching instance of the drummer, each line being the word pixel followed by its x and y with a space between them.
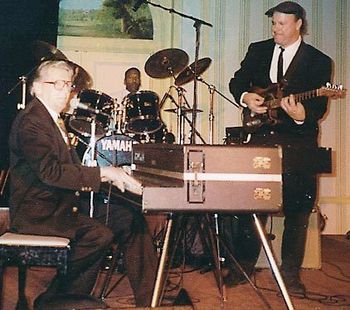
pixel 132 82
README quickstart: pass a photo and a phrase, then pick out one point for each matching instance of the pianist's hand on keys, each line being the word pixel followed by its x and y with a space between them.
pixel 121 179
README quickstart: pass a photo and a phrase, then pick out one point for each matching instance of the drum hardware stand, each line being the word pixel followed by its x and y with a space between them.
pixel 92 162
pixel 96 151
pixel 22 80
pixel 22 105
pixel 118 116
pixel 197 24
pixel 181 115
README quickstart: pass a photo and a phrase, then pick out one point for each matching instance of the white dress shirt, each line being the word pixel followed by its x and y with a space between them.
pixel 288 55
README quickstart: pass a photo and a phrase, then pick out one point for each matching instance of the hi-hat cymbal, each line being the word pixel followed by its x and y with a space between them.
pixel 166 63
pixel 45 51
pixel 184 110
pixel 82 79
pixel 188 74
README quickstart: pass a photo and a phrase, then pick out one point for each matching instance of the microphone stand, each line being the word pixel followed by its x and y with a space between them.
pixel 197 24
pixel 214 89
pixel 211 114
pixel 172 11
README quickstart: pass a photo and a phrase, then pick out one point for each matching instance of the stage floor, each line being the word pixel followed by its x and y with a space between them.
pixel 327 288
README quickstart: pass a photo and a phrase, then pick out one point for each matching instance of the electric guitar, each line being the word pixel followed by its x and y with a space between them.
pixel 273 96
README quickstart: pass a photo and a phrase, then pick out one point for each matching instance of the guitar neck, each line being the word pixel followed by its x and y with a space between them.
pixel 276 103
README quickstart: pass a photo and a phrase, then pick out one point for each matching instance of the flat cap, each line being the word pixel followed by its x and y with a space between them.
pixel 288 7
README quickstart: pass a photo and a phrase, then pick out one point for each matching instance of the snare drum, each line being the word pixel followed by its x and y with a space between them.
pixel 113 150
pixel 81 119
pixel 142 112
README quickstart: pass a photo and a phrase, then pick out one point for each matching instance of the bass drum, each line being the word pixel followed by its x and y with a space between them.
pixel 114 150
pixel 81 119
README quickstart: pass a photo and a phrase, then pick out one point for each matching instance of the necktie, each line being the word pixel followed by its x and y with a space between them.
pixel 62 126
pixel 280 65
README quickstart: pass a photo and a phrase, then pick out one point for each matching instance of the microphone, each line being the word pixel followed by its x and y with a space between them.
pixel 137 5
pixel 75 104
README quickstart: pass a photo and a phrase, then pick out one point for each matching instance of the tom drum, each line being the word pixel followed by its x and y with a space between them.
pixel 81 119
pixel 142 112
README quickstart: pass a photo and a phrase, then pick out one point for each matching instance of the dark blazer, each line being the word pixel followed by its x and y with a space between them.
pixel 310 69
pixel 45 176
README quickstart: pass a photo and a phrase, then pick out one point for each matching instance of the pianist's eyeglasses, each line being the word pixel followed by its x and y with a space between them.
pixel 60 84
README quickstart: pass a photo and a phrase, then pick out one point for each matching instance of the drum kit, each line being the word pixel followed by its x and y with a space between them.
pixel 169 63
pixel 113 127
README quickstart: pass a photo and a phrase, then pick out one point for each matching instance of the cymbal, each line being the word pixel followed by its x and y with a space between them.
pixel 187 75
pixel 82 79
pixel 166 63
pixel 184 110
pixel 45 51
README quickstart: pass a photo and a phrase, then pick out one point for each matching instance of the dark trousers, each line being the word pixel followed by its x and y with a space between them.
pixel 299 192
pixel 88 248
pixel 299 195
pixel 132 236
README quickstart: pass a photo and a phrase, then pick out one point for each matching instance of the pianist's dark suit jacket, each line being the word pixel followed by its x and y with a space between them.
pixel 309 70
pixel 45 176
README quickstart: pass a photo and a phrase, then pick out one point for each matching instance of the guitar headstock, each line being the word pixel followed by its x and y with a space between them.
pixel 333 91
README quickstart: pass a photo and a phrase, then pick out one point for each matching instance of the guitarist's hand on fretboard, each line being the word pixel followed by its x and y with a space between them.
pixel 255 103
pixel 254 116
pixel 294 109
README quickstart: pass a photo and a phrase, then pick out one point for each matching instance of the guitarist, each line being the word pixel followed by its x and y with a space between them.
pixel 300 68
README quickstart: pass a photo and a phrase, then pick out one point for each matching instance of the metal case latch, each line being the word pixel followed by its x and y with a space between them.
pixel 196 168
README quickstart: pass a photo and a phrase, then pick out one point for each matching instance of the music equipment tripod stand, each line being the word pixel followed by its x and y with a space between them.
pixel 271 260
pixel 174 231
pixel 215 239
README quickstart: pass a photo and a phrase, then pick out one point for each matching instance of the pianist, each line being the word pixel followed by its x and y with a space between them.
pixel 297 67
pixel 46 181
